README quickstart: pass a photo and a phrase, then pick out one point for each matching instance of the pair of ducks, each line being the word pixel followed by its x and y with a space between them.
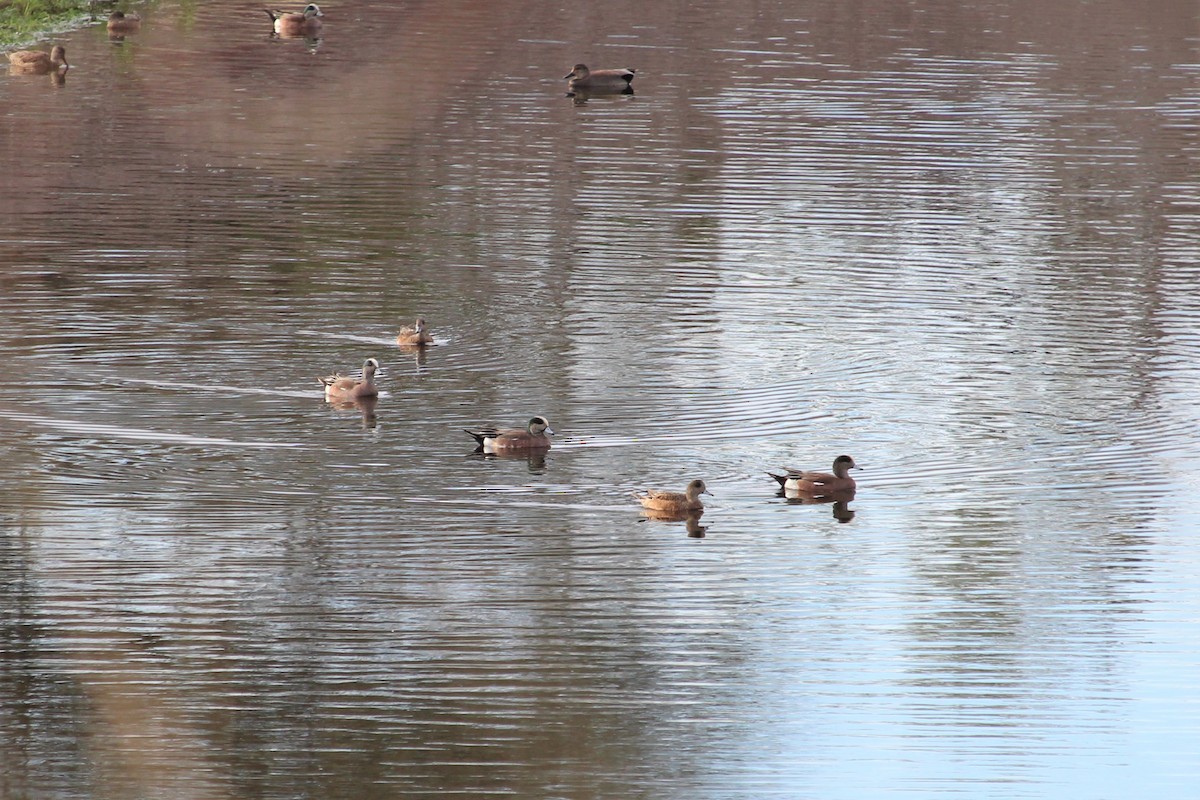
pixel 36 62
pixel 339 388
pixel 794 482
pixel 535 436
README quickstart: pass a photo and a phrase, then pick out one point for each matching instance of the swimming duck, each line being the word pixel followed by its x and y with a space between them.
pixel 339 387
pixel 535 436
pixel 819 483
pixel 38 63
pixel 675 502
pixel 602 80
pixel 414 335
pixel 291 23
pixel 120 22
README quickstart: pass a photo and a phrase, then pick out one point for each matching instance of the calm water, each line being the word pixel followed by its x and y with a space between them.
pixel 955 240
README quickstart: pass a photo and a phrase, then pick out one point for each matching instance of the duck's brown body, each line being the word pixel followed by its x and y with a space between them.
pixel 684 502
pixel 415 335
pixel 340 387
pixel 819 483
pixel 582 79
pixel 120 22
pixel 35 62
pixel 290 23
pixel 535 436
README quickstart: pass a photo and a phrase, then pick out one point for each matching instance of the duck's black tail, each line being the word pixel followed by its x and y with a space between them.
pixel 478 436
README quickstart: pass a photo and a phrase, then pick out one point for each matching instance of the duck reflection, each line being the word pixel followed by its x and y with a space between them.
pixel 311 43
pixel 535 460
pixel 580 97
pixel 417 352
pixel 841 511
pixel 690 520
pixel 840 500
pixel 363 405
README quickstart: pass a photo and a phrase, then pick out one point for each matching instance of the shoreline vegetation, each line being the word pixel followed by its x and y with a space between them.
pixel 24 22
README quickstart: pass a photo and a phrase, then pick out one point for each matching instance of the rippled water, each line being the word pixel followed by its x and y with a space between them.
pixel 954 241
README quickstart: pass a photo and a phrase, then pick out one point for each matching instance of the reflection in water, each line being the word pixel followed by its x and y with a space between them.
pixel 418 353
pixel 363 405
pixel 690 519
pixel 58 77
pixel 963 251
pixel 311 43
pixel 842 512
pixel 840 500
pixel 535 459
pixel 580 97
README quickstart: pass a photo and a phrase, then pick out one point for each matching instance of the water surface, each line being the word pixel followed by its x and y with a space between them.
pixel 956 243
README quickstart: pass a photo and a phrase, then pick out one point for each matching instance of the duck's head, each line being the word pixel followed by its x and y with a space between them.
pixel 842 465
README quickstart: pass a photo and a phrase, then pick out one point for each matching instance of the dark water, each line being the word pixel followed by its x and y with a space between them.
pixel 955 240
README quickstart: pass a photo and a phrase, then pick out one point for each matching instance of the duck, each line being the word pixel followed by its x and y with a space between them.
pixel 535 436
pixel 39 63
pixel 819 483
pixel 685 502
pixel 602 80
pixel 292 23
pixel 414 335
pixel 120 22
pixel 340 387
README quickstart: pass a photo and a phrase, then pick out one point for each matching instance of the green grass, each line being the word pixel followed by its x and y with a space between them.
pixel 24 21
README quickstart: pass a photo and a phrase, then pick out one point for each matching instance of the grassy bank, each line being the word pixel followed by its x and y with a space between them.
pixel 23 21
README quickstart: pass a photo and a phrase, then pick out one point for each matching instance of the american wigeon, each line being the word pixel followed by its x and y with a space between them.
pixel 291 23
pixel 120 22
pixel 684 502
pixel 38 63
pixel 340 387
pixel 535 436
pixel 415 335
pixel 602 80
pixel 819 483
